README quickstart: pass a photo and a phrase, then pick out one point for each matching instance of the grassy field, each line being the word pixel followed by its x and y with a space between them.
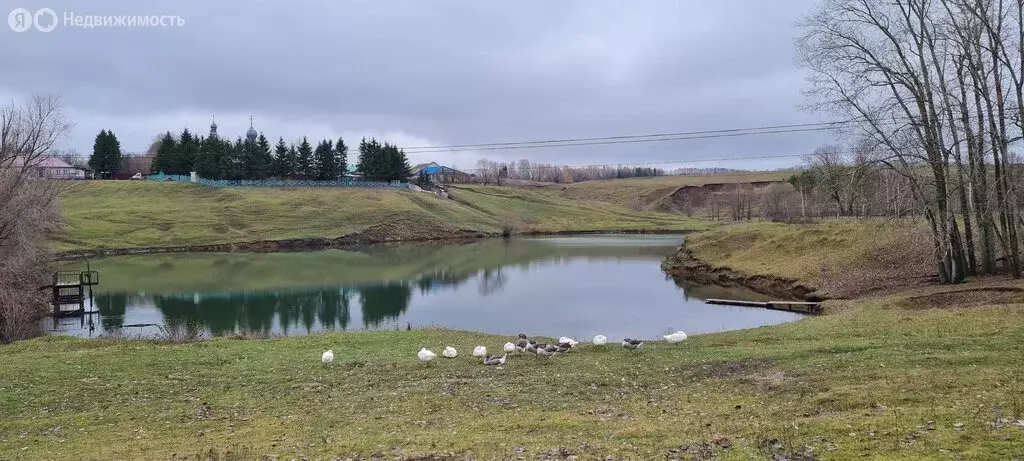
pixel 641 193
pixel 921 375
pixel 845 258
pixel 128 214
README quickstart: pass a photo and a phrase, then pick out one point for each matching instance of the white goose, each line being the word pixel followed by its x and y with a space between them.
pixel 450 352
pixel 479 351
pixel 425 355
pixel 675 337
pixel 600 340
pixel 509 348
pixel 327 357
pixel 570 341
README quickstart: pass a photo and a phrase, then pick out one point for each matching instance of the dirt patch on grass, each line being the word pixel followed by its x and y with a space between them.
pixel 966 298
pixel 700 371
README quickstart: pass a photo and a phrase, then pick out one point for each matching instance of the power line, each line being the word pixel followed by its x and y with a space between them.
pixel 822 125
pixel 654 137
pixel 615 141
pixel 667 162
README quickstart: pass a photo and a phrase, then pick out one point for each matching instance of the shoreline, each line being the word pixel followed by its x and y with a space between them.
pixel 370 236
pixel 683 265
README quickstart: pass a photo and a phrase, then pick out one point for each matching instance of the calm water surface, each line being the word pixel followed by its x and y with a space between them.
pixel 574 286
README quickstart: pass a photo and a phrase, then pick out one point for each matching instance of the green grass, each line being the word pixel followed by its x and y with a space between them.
pixel 131 214
pixel 843 257
pixel 874 380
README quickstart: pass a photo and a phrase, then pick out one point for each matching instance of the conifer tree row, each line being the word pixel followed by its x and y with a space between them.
pixel 215 158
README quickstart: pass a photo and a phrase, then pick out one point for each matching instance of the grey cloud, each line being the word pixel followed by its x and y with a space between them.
pixel 438 72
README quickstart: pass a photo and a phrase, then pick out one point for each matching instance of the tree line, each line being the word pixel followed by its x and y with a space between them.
pixel 932 90
pixel 492 172
pixel 214 158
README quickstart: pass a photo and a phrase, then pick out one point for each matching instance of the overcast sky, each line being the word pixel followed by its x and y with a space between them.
pixel 430 72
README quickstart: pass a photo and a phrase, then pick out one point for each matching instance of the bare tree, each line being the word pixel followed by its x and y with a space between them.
pixel 881 63
pixel 72 157
pixel 131 164
pixel 781 203
pixel 28 210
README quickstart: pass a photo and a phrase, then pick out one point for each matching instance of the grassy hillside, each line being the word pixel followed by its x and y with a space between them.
pixel 126 214
pixel 924 375
pixel 640 193
pixel 842 257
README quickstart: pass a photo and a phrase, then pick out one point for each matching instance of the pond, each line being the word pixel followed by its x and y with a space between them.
pixel 576 286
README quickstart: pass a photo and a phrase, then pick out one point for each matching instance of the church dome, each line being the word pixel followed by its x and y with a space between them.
pixel 251 134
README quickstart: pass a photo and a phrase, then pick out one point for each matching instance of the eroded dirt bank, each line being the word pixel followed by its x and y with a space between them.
pixel 682 264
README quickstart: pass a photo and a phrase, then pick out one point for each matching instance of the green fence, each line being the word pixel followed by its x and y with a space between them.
pixel 279 183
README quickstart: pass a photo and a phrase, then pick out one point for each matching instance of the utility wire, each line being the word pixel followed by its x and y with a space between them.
pixel 816 126
pixel 614 141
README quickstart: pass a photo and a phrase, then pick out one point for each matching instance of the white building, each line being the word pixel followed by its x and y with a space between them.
pixel 53 168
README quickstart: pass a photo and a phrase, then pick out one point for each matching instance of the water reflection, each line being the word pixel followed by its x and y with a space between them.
pixel 611 285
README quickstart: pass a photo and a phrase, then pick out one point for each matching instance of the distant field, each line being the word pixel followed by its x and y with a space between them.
pixel 129 214
pixel 643 193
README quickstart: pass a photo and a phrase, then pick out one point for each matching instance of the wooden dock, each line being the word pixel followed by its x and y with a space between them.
pixel 69 289
pixel 803 307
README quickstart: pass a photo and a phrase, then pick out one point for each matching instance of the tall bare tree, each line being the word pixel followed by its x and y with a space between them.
pixel 882 65
pixel 28 209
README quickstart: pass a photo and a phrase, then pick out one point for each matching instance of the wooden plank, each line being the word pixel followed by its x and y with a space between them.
pixel 731 302
pixel 794 303
pixel 804 307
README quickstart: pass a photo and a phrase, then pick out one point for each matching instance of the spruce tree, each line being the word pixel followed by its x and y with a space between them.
pixel 372 161
pixel 324 161
pixel 114 156
pixel 98 159
pixel 209 162
pixel 293 162
pixel 106 153
pixel 304 166
pixel 257 159
pixel 341 157
pixel 398 164
pixel 188 150
pixel 280 169
pixel 166 155
pixel 234 159
pixel 363 160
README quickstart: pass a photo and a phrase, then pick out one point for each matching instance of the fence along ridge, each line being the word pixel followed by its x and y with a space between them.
pixel 349 182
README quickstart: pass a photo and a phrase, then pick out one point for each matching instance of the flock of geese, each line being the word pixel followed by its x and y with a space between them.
pixel 525 345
